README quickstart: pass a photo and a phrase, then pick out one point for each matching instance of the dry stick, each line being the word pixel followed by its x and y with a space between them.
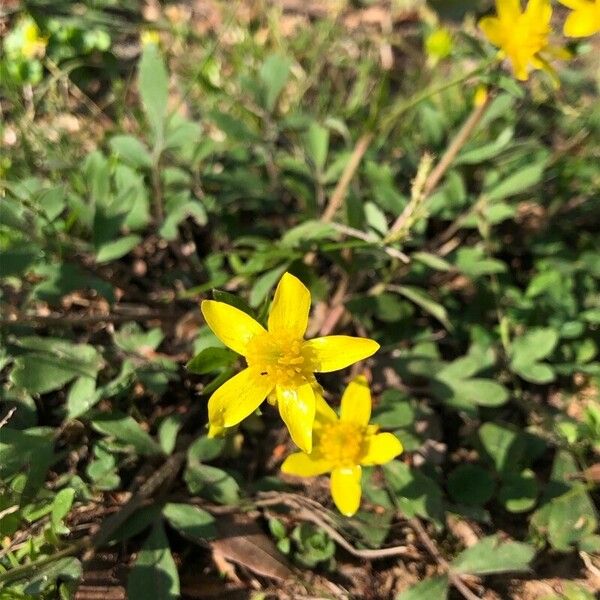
pixel 456 581
pixel 311 514
pixel 339 194
pixel 46 320
pixel 7 418
pixel 367 554
pixel 447 158
pixel 167 471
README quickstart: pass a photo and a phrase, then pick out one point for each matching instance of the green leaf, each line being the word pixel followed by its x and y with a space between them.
pixel 317 144
pixel 308 231
pixel 474 263
pixel 426 302
pixel 131 150
pixel 590 544
pixel 534 372
pixel 435 588
pixel 61 506
pixel 264 284
pixel 31 450
pixel 180 206
pixel 467 393
pixel 474 156
pixel 205 449
pixel 415 493
pixel 394 416
pixel 211 483
pixel 132 338
pixel 535 345
pixel 572 518
pixel 517 182
pixel 233 300
pixel 53 363
pixel 471 485
pixel 432 261
pixel 519 491
pixel 44 578
pixel 503 445
pixel 17 259
pixel 167 432
pixel 81 397
pixel 490 555
pixel 277 528
pixel 153 85
pixel 62 278
pixel 154 573
pixel 117 248
pixel 274 75
pixel 544 282
pixel 211 360
pixel 126 429
pixel 192 522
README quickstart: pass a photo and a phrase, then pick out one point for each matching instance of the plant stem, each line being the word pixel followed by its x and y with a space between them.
pixel 445 162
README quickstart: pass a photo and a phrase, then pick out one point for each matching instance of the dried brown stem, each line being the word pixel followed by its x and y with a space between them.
pixel 339 193
pixel 429 544
pixel 448 158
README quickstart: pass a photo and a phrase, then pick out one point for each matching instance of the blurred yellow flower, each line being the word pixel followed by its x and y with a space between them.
pixel 520 35
pixel 281 363
pixel 343 444
pixel 585 18
pixel 26 40
pixel 481 95
pixel 438 44
pixel 150 37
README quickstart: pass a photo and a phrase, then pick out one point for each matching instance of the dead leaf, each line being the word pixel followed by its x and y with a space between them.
pixel 241 541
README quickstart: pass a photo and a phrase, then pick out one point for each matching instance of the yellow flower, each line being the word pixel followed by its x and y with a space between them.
pixel 438 44
pixel 149 37
pixel 281 363
pixel 26 40
pixel 342 445
pixel 585 18
pixel 481 95
pixel 520 35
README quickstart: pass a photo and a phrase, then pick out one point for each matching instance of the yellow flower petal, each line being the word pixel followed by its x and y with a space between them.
pixel 215 430
pixel 574 4
pixel 345 489
pixel 583 22
pixel 237 398
pixel 336 352
pixel 305 465
pixel 382 448
pixel 297 409
pixel 540 12
pixel 231 325
pixel 324 413
pixel 508 9
pixel 492 29
pixel 290 307
pixel 356 402
pixel 519 66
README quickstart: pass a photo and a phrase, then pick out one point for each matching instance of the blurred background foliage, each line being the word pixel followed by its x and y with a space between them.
pixel 154 153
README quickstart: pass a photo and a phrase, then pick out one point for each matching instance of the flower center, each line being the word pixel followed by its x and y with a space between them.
pixel 342 443
pixel 283 357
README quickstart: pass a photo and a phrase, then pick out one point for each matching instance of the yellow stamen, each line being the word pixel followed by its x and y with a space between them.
pixel 282 357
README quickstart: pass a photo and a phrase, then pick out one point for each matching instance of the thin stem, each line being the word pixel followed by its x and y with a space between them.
pixel 395 112
pixel 339 193
pixel 384 126
pixel 446 161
